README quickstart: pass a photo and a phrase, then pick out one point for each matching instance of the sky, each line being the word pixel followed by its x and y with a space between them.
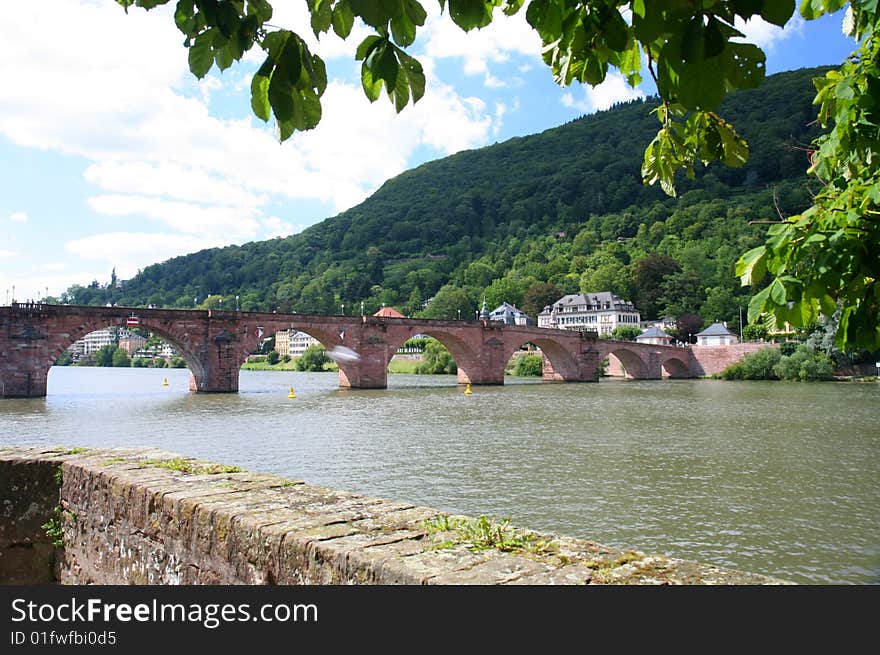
pixel 114 157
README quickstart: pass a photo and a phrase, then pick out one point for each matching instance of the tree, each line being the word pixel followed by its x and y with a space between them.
pixel 825 260
pixel 822 258
pixel 120 358
pixel 450 302
pixel 313 359
pixel 528 366
pixel 436 359
pixel 687 326
pixel 104 355
pixel 648 275
pixel 625 333
pixel 272 357
pixel 538 296
pixel 680 292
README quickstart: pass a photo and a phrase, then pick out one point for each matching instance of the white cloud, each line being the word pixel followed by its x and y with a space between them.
pixel 130 251
pixel 505 36
pixel 613 90
pixel 170 178
pixel 275 227
pixel 224 224
pixel 7 254
pixel 766 35
pixel 144 137
pixel 18 217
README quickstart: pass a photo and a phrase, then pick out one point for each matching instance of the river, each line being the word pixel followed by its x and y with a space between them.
pixel 766 477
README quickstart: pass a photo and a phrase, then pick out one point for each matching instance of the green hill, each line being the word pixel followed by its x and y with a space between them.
pixel 565 208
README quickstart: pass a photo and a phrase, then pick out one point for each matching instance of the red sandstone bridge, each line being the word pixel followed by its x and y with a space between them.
pixel 216 343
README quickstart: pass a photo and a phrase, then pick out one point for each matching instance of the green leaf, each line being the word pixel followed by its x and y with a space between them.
pixel 371 84
pixel 343 19
pixel 752 266
pixel 321 16
pixel 201 54
pixel 468 14
pixel 184 17
pixel 400 93
pixel 403 30
pixel 735 149
pixel 260 96
pixel 777 11
pixel 414 75
pixel 281 97
pixel 415 11
pixel 616 31
pixel 743 65
pixel 777 293
pixel 366 46
pixel 261 9
pixel 757 304
pixel 700 84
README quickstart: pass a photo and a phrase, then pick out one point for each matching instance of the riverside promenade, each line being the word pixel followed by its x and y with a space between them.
pixel 143 516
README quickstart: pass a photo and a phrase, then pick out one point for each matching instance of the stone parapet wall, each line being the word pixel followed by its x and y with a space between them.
pixel 710 360
pixel 141 516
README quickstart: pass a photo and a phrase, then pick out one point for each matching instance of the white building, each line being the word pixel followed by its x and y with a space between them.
pixel 654 335
pixel 94 341
pixel 716 334
pixel 293 343
pixel 510 315
pixel 599 312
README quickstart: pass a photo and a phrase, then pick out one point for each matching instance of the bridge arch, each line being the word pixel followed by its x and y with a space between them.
pixel 171 334
pixel 630 361
pixel 466 360
pixel 674 367
pixel 558 354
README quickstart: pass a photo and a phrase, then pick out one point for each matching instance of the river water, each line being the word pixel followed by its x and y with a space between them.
pixel 774 478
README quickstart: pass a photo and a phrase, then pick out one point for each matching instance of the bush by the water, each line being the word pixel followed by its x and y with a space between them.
pixel 313 359
pixel 436 359
pixel 528 366
pixel 803 364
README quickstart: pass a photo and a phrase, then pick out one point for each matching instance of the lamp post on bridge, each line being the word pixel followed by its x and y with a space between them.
pixel 236 303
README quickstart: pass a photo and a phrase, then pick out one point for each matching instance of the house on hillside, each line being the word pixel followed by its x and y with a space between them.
pixel 510 315
pixel 600 312
pixel 389 312
pixel 654 335
pixel 716 334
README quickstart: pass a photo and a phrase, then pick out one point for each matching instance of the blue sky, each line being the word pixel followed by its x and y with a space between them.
pixel 113 156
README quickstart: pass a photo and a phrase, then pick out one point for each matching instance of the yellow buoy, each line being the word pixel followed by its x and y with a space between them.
pixel 165 382
pixel 291 394
pixel 467 391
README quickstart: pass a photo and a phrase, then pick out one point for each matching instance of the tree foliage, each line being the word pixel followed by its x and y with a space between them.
pixel 826 258
pixel 436 359
pixel 313 359
pixel 528 365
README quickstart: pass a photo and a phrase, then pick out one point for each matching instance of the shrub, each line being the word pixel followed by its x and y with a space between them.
pixel 804 365
pixel 273 357
pixel 313 358
pixel 528 366
pixel 754 366
pixel 436 359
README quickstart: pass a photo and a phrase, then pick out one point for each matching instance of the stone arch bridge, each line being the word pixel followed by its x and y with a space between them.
pixel 216 343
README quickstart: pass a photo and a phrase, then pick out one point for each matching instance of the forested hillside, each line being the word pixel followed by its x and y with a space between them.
pixel 522 221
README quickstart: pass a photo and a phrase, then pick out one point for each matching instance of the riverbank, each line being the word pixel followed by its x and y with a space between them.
pixel 145 516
